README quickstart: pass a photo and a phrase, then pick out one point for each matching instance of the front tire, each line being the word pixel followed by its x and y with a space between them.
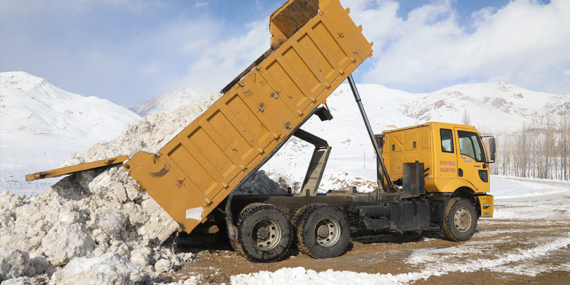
pixel 323 231
pixel 264 233
pixel 460 220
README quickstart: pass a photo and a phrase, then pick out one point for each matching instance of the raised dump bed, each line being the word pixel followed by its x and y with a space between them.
pixel 315 46
pixel 199 168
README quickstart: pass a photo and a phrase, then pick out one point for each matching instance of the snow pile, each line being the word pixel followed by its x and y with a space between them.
pixel 148 134
pixel 260 184
pixel 301 275
pixel 13 263
pixel 110 268
pixel 95 213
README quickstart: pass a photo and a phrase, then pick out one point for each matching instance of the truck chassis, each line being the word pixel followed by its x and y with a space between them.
pixel 263 227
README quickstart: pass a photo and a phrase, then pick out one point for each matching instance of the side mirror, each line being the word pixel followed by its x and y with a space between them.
pixel 493 148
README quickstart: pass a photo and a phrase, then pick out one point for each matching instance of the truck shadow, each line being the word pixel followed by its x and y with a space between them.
pixel 372 237
pixel 200 242
pixel 197 242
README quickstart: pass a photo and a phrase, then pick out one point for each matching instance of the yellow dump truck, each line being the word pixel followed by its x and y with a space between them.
pixel 315 46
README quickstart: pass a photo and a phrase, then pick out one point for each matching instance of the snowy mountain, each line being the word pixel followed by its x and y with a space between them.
pixel 41 124
pixel 168 102
pixel 492 108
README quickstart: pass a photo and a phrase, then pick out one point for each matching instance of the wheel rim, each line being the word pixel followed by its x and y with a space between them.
pixel 266 234
pixel 327 232
pixel 462 220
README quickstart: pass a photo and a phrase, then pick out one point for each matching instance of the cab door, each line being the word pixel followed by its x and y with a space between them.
pixel 471 160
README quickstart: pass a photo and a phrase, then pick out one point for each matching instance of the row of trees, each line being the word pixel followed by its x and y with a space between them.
pixel 540 149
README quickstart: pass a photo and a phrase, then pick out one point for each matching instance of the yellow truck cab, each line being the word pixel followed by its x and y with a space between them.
pixel 455 160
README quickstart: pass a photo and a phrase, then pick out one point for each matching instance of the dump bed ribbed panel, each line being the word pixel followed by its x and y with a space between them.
pixel 199 168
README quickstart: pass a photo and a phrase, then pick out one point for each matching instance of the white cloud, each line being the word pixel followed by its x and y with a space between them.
pixel 152 68
pixel 31 7
pixel 525 43
pixel 68 43
pixel 201 4
pixel 76 46
pixel 482 16
pixel 195 45
pixel 221 62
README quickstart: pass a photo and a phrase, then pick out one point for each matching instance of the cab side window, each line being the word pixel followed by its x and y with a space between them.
pixel 470 145
pixel 446 140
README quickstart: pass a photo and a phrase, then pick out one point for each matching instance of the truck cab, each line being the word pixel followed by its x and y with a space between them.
pixel 455 157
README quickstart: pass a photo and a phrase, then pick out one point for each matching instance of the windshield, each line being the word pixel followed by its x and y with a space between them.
pixel 470 145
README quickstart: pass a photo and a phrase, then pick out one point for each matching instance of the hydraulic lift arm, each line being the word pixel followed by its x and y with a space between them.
pixel 370 132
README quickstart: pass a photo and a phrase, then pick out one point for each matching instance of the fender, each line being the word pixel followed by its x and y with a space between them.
pixel 450 185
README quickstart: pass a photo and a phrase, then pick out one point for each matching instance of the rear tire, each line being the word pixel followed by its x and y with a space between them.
pixel 300 212
pixel 323 231
pixel 264 233
pixel 460 221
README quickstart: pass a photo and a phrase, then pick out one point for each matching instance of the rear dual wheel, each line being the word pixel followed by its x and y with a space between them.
pixel 323 231
pixel 264 233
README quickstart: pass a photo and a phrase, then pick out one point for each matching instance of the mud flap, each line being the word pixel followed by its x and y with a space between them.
pixel 409 216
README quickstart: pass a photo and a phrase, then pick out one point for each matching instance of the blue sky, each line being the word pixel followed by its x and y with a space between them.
pixel 128 51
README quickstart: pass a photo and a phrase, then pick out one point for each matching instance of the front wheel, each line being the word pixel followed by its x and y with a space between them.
pixel 460 220
pixel 323 231
pixel 264 233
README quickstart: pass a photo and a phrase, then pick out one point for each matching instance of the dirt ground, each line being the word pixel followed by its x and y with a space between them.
pixel 501 252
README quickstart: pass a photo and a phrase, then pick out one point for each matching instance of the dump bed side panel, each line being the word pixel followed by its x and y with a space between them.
pixel 200 167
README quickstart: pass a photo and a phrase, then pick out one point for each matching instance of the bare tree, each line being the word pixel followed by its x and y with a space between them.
pixel 540 149
pixel 466 119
